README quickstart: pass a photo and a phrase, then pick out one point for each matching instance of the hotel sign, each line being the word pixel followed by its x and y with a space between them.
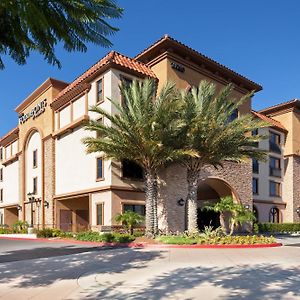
pixel 35 112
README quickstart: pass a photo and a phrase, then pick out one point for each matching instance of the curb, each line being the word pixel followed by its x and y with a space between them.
pixel 143 245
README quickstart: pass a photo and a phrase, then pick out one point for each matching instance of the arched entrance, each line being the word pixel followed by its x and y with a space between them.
pixel 210 191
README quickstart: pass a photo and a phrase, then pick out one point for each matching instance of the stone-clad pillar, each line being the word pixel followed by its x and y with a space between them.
pixel 173 186
pixel 291 188
pixel 49 179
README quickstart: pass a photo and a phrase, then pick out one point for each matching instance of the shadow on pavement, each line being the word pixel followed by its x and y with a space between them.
pixel 261 281
pixel 42 272
pixel 42 252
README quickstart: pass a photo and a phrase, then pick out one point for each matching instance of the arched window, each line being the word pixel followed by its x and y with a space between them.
pixel 274 215
pixel 255 212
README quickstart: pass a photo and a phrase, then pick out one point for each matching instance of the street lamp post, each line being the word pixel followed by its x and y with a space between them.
pixel 31 200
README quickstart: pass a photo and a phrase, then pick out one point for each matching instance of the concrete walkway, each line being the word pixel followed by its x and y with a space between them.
pixel 271 273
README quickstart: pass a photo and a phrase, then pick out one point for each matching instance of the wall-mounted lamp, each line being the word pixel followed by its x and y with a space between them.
pixel 180 202
pixel 19 207
pixel 247 206
pixel 46 204
pixel 298 210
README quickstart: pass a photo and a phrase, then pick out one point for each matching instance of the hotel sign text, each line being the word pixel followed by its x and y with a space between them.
pixel 35 112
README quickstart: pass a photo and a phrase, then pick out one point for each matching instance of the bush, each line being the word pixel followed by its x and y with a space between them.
pixel 279 227
pixel 93 236
pixel 20 227
pixel 216 240
pixel 45 233
pixel 53 232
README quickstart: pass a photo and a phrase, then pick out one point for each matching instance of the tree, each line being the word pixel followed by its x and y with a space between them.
pixel 39 25
pixel 130 219
pixel 217 137
pixel 240 216
pixel 142 130
pixel 225 207
pixel 231 214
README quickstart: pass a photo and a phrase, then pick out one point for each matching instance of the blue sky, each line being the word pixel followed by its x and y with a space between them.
pixel 259 39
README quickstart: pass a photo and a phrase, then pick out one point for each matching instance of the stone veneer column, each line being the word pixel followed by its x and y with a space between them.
pixel 49 183
pixel 291 188
pixel 173 186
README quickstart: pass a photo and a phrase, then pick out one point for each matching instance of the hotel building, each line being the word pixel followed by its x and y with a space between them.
pixel 43 158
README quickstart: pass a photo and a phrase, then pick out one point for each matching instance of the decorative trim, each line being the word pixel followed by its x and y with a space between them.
pixel 271 202
pixel 71 126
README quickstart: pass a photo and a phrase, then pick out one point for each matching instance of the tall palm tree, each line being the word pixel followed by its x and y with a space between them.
pixel 37 25
pixel 216 136
pixel 141 131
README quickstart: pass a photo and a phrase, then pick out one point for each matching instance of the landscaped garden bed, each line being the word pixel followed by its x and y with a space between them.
pixel 220 240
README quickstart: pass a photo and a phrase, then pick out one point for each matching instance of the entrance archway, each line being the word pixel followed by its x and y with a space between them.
pixel 210 191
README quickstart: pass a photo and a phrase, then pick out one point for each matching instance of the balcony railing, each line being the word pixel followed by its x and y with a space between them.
pixel 275 172
pixel 275 148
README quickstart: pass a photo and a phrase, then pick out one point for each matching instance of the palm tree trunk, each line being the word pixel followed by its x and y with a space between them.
pixel 151 203
pixel 192 179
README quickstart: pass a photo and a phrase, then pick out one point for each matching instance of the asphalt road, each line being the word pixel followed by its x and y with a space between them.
pixel 16 250
pixel 55 271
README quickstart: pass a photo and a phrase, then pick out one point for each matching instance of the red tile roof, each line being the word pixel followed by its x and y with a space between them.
pixel 271 121
pixel 113 58
pixel 281 106
pixel 10 136
pixel 166 38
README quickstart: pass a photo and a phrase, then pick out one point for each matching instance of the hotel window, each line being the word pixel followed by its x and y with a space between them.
pixel 34 184
pixel 255 186
pixel 99 168
pixel 274 142
pixel 100 213
pixel 98 135
pixel 1 153
pixel 1 195
pixel 138 208
pixel 275 166
pixel 275 189
pixel 132 170
pixel 99 91
pixel 254 133
pixel 1 174
pixel 274 215
pixel 234 115
pixel 34 158
pixel 255 166
pixel 126 83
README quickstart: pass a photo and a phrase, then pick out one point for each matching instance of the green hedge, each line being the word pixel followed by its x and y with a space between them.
pixel 93 236
pixel 279 227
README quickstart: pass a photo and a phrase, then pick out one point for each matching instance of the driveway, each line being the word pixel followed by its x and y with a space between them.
pixel 85 272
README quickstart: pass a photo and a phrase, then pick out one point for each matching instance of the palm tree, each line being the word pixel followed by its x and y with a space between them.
pixel 130 219
pixel 240 216
pixel 141 131
pixel 215 135
pixel 225 207
pixel 34 25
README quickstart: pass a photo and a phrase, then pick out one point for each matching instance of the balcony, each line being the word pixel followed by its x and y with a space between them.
pixel 275 172
pixel 274 147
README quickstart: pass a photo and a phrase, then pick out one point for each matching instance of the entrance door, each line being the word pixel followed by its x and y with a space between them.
pixel 82 220
pixel 65 223
pixel 207 218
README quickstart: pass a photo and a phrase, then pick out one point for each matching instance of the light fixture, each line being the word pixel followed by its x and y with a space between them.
pixel 298 210
pixel 180 202
pixel 247 206
pixel 46 204
pixel 19 207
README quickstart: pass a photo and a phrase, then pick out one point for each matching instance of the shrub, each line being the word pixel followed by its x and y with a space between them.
pixel 130 220
pixel 279 227
pixel 20 227
pixel 216 240
pixel 93 236
pixel 45 233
